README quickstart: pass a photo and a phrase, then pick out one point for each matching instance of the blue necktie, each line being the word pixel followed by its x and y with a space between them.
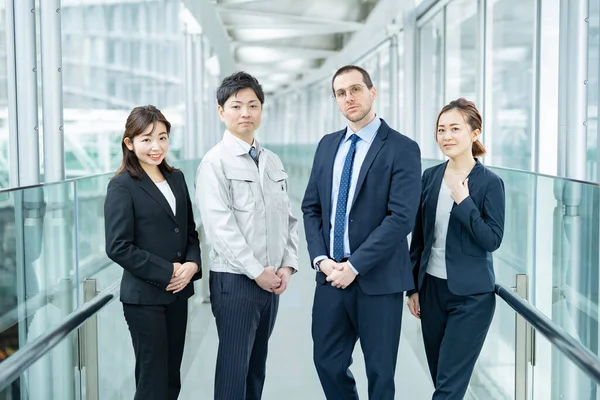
pixel 253 154
pixel 342 202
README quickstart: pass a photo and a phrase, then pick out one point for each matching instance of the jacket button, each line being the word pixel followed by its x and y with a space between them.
pixel 178 254
pixel 176 230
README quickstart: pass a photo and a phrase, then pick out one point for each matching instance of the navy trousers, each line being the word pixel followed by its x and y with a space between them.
pixel 340 317
pixel 245 316
pixel 158 336
pixel 454 330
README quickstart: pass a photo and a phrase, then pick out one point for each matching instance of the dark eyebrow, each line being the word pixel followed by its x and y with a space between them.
pixel 452 124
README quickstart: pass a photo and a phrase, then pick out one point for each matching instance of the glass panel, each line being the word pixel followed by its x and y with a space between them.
pixel 4 145
pixel 114 59
pixel 494 374
pixel 509 83
pixel 461 50
pixel 593 155
pixel 429 93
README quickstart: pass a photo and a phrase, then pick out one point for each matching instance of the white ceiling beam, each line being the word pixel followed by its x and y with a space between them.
pixel 207 16
pixel 263 68
pixel 308 28
pixel 251 34
pixel 299 19
pixel 297 52
pixel 384 14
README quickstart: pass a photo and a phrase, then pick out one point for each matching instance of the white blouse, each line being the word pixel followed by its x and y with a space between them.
pixel 168 193
pixel 437 260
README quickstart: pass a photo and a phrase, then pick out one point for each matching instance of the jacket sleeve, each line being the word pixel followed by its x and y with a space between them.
pixel 486 226
pixel 290 253
pixel 405 192
pixel 119 225
pixel 417 242
pixel 220 226
pixel 313 213
pixel 193 242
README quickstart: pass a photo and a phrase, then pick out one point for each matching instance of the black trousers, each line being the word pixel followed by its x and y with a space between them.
pixel 158 336
pixel 454 330
pixel 245 316
pixel 339 318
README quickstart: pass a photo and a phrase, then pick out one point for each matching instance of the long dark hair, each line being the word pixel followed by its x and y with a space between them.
pixel 138 120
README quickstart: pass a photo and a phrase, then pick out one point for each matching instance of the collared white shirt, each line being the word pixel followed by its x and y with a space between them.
pixel 366 135
pixel 245 211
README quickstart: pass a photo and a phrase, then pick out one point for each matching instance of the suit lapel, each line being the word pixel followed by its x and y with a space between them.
pixel 179 193
pixel 378 142
pixel 434 194
pixel 330 152
pixel 150 187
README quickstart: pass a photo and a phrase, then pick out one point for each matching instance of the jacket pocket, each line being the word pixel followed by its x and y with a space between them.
pixel 469 246
pixel 276 188
pixel 241 196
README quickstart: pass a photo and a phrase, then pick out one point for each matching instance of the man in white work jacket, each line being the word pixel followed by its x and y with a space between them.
pixel 241 192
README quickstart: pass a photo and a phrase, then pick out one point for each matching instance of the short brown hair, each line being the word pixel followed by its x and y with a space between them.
pixel 472 118
pixel 347 68
pixel 138 120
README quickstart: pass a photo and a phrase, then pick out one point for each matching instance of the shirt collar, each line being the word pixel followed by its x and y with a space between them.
pixel 367 133
pixel 237 146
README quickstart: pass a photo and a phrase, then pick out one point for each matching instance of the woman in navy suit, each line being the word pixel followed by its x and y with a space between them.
pixel 460 222
pixel 150 232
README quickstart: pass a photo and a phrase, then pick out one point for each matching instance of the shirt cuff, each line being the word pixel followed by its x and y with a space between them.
pixel 352 267
pixel 317 259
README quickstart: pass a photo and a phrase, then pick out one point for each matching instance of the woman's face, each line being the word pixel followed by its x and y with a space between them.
pixel 454 136
pixel 151 146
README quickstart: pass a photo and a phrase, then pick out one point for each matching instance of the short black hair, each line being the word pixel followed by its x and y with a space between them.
pixel 349 68
pixel 232 84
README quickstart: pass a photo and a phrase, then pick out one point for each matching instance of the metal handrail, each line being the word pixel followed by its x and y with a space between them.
pixel 584 358
pixel 18 363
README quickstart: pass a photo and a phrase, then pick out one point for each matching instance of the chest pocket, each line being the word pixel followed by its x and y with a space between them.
pixel 240 191
pixel 276 188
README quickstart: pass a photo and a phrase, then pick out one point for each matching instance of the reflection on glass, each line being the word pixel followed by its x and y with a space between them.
pixel 509 82
pixel 429 93
pixel 461 50
pixel 593 156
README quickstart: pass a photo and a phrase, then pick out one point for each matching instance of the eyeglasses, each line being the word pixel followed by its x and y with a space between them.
pixel 355 90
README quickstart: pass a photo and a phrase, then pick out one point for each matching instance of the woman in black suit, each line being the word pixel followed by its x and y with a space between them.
pixel 459 224
pixel 150 232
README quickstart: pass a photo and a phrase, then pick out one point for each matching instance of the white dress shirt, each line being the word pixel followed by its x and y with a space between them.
pixel 366 135
pixel 245 210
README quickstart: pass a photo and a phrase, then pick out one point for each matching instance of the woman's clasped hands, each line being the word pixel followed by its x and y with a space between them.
pixel 182 275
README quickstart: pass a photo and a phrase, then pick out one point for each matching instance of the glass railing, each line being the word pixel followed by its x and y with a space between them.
pixel 51 241
pixel 552 236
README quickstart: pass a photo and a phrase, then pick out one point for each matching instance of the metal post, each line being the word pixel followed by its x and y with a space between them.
pixel 52 100
pixel 13 131
pixel 190 128
pixel 409 62
pixel 394 88
pixel 576 105
pixel 27 106
pixel 88 345
pixel 198 134
pixel 522 343
pixel 573 82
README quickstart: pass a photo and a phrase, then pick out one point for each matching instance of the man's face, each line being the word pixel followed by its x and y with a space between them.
pixel 242 113
pixel 353 97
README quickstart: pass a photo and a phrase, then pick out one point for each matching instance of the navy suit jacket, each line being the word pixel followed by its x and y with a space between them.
pixel 145 238
pixel 382 213
pixel 475 230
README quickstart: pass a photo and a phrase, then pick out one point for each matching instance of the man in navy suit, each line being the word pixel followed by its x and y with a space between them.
pixel 359 206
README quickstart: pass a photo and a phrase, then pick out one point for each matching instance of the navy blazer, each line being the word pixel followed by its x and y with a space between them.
pixel 145 238
pixel 382 213
pixel 475 230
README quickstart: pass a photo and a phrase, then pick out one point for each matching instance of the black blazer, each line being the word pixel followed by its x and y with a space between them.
pixel 475 230
pixel 145 238
pixel 382 214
